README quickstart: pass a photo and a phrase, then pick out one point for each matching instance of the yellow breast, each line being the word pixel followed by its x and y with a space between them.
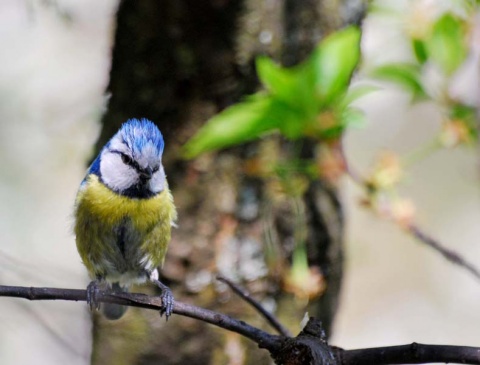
pixel 110 207
pixel 99 213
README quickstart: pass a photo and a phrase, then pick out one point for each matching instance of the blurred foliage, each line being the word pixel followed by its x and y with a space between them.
pixel 446 44
pixel 406 75
pixel 442 43
pixel 441 48
pixel 307 100
pixel 315 100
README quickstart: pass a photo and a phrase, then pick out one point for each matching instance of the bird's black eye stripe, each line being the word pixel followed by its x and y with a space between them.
pixel 127 160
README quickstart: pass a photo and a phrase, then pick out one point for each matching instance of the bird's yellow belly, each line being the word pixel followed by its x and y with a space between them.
pixel 120 238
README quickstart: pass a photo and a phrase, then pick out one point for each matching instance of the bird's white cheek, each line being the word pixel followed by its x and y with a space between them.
pixel 157 183
pixel 115 174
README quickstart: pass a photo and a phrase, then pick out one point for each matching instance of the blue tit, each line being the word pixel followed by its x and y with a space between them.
pixel 124 213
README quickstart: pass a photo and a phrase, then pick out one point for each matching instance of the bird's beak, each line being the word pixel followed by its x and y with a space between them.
pixel 146 174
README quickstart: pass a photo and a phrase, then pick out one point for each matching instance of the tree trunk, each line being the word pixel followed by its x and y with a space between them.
pixel 178 62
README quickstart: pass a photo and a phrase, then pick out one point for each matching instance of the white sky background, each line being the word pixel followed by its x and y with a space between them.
pixel 52 77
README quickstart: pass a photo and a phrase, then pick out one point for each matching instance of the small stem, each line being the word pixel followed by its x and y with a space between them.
pixel 421 153
pixel 245 295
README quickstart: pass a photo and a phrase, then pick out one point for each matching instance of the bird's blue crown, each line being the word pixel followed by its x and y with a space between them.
pixel 136 134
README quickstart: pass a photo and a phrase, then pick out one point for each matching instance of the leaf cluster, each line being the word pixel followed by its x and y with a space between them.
pixel 307 100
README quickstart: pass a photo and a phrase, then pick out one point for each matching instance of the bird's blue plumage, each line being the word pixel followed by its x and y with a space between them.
pixel 137 133
pixel 95 167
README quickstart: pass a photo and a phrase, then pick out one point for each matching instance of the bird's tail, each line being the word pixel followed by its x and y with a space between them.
pixel 114 311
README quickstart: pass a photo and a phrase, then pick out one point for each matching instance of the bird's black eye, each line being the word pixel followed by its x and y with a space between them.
pixel 127 160
pixel 155 169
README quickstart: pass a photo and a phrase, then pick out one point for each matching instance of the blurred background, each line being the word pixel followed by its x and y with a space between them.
pixel 55 64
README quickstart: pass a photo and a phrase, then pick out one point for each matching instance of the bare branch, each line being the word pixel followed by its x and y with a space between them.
pixel 263 339
pixel 309 345
pixel 245 295
pixel 414 353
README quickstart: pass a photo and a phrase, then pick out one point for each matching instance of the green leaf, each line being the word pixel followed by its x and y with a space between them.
pixel 356 92
pixel 459 111
pixel 291 122
pixel 405 75
pixel 353 117
pixel 419 50
pixel 246 121
pixel 334 61
pixel 446 46
pixel 276 79
pixel 294 86
pixel 468 115
pixel 239 123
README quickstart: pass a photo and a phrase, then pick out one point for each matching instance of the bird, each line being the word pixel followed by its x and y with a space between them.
pixel 124 213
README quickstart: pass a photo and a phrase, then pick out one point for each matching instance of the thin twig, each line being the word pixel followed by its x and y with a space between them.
pixel 419 233
pixel 450 255
pixel 262 338
pixel 245 295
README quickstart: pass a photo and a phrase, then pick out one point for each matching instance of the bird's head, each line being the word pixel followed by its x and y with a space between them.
pixel 131 162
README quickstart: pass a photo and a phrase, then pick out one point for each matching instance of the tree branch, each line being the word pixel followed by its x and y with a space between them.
pixel 414 353
pixel 309 347
pixel 263 339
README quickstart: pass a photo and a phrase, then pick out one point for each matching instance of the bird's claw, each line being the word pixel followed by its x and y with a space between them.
pixel 92 301
pixel 167 303
pixel 167 299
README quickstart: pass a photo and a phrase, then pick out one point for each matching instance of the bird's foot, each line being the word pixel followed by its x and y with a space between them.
pixel 92 290
pixel 167 298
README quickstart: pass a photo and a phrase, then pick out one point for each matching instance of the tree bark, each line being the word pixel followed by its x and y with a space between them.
pixel 178 62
